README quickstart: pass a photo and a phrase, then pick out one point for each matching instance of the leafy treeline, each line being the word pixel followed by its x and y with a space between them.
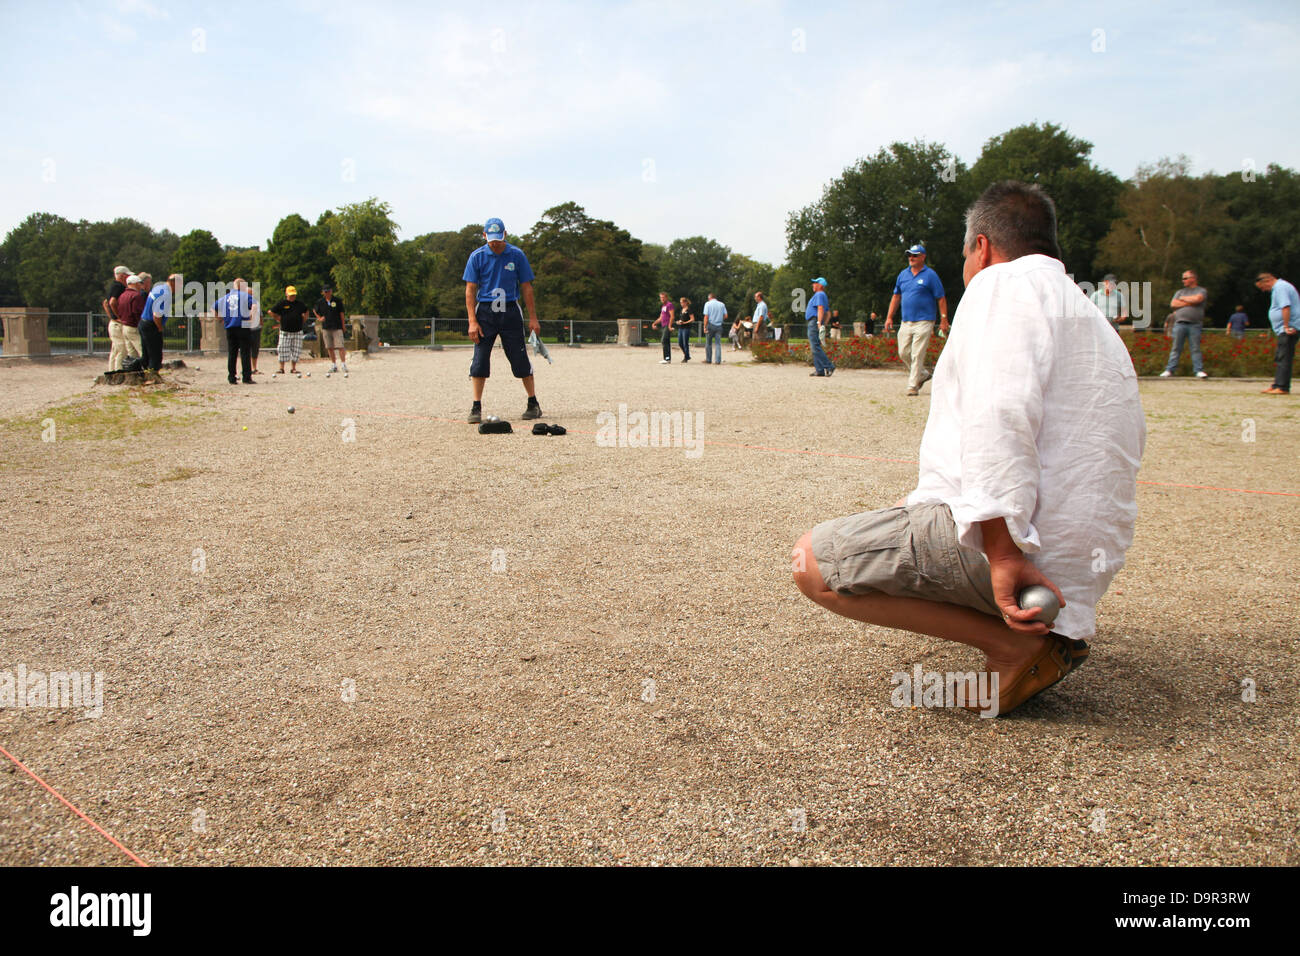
pixel 1147 229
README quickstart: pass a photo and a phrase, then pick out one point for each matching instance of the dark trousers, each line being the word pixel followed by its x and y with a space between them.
pixel 1284 358
pixel 238 343
pixel 509 325
pixel 151 344
pixel 684 342
pixel 666 339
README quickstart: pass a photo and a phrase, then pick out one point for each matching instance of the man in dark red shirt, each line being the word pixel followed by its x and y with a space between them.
pixel 130 306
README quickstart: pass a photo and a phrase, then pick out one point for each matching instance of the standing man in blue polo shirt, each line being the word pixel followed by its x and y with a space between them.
pixel 818 314
pixel 715 313
pixel 495 275
pixel 921 294
pixel 1283 315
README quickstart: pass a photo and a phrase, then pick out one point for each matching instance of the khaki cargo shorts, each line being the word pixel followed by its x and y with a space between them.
pixel 903 552
pixel 333 338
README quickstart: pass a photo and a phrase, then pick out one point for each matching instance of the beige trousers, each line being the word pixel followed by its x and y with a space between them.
pixel 116 345
pixel 131 342
pixel 913 337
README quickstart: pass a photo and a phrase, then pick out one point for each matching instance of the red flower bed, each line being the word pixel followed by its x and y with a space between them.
pixel 1224 355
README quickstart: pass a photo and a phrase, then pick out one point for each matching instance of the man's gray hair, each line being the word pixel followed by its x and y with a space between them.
pixel 146 278
pixel 1018 219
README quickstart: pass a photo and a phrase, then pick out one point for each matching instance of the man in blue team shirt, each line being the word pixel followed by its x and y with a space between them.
pixel 233 308
pixel 495 275
pixel 818 314
pixel 921 294
pixel 154 319
pixel 715 313
pixel 1283 313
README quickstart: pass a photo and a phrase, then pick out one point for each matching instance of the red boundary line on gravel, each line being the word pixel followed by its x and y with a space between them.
pixel 23 767
pixel 792 451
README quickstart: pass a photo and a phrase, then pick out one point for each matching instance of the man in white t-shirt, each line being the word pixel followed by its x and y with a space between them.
pixel 1028 468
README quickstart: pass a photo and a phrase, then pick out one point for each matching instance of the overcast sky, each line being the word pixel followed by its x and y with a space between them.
pixel 670 118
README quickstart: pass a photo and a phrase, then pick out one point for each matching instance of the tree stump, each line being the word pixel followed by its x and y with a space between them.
pixel 147 377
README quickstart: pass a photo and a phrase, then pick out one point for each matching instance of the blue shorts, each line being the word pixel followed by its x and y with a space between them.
pixel 509 325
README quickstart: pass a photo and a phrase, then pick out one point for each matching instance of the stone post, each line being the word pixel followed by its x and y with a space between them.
pixel 27 331
pixel 365 332
pixel 859 329
pixel 629 331
pixel 212 333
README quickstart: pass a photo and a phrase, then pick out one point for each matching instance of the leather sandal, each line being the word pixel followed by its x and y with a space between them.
pixel 1053 662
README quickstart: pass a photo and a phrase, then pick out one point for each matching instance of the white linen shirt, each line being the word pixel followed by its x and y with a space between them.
pixel 1035 418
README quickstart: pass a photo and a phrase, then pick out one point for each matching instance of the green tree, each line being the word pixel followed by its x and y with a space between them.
pixel 297 254
pixel 747 276
pixel 856 233
pixel 586 268
pixel 1260 237
pixel 1086 197
pixel 694 267
pixel 790 290
pixel 244 264
pixel 445 254
pixel 363 245
pixel 198 256
pixel 35 252
pixel 1169 221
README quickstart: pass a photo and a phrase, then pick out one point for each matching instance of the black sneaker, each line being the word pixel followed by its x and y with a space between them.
pixel 532 411
pixel 475 416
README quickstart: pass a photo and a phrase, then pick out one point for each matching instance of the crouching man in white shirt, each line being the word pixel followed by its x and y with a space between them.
pixel 1028 468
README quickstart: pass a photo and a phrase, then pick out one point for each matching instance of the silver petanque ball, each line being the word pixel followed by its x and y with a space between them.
pixel 1038 596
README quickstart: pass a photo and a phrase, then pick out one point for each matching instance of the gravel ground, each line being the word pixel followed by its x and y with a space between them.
pixel 430 646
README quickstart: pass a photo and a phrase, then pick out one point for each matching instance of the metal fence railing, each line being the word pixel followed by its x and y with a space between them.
pixel 86 333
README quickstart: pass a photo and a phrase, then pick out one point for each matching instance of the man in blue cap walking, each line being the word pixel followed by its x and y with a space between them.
pixel 818 314
pixel 921 294
pixel 495 276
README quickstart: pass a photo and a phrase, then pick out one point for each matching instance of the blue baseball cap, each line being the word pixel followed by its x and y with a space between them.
pixel 820 281
pixel 916 250
pixel 495 230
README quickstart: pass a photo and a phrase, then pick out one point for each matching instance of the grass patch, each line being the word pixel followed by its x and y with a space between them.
pixel 111 416
pixel 176 474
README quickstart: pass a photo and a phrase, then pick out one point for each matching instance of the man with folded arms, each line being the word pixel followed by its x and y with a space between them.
pixel 1014 491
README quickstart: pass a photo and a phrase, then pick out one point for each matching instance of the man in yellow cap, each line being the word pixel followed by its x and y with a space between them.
pixel 289 314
